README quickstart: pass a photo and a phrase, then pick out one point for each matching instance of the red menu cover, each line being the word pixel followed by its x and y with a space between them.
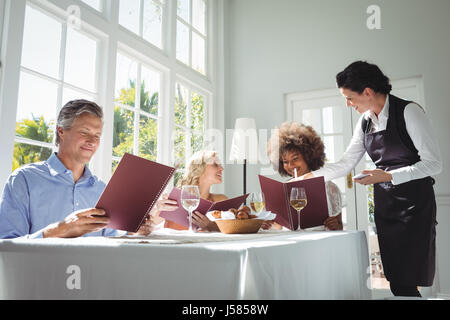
pixel 132 191
pixel 277 195
pixel 180 215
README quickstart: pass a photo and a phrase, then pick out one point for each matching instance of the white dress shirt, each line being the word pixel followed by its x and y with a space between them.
pixel 419 129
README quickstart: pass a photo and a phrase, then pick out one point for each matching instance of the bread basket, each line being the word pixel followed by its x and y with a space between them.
pixel 239 226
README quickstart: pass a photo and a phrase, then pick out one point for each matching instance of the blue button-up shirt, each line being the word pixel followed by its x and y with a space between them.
pixel 39 194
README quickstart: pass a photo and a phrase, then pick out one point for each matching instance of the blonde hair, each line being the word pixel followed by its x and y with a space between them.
pixel 196 167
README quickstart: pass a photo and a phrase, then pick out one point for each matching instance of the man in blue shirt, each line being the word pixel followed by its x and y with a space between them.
pixel 55 198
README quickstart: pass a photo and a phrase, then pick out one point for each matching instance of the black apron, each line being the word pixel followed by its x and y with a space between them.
pixel 405 214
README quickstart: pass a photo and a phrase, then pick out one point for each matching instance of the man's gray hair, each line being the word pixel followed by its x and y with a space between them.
pixel 72 110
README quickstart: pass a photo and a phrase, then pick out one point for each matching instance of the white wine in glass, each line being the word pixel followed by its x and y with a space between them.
pixel 298 204
pixel 298 201
pixel 190 199
pixel 257 202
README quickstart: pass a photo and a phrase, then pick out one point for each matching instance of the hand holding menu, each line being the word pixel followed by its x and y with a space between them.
pixel 180 215
pixel 277 200
pixel 132 191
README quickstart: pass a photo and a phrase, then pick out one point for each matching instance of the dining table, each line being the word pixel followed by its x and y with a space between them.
pixel 177 265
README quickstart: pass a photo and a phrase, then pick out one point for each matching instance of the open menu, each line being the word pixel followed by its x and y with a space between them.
pixel 132 192
pixel 277 196
pixel 181 215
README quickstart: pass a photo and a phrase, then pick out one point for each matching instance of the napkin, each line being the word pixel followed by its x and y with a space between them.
pixel 228 215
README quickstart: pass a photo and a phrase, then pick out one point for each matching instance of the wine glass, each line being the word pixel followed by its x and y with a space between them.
pixel 190 199
pixel 298 201
pixel 257 202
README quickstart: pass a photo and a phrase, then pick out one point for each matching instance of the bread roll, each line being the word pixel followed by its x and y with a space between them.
pixel 217 214
pixel 242 215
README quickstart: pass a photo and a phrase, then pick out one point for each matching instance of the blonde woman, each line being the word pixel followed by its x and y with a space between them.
pixel 204 170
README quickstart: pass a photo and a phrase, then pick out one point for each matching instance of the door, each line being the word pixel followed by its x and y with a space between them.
pixel 326 112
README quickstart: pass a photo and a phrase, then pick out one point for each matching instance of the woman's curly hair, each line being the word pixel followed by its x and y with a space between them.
pixel 196 166
pixel 298 138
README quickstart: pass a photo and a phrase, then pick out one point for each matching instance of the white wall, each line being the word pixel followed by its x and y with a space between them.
pixel 2 14
pixel 278 47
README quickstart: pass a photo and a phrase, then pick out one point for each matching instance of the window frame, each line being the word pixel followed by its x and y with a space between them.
pixel 60 82
pixel 191 30
pixel 142 63
pixel 140 36
pixel 192 88
pixel 105 25
pixel 2 17
pixel 100 11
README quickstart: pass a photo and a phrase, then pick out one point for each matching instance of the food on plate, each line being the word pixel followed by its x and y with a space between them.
pixel 245 209
pixel 217 214
pixel 242 215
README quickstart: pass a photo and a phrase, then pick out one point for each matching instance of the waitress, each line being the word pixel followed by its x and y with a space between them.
pixel 397 135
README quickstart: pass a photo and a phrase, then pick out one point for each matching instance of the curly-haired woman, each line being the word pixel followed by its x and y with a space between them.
pixel 204 170
pixel 301 149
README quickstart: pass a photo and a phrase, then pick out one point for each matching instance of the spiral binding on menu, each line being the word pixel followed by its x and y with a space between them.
pixel 158 195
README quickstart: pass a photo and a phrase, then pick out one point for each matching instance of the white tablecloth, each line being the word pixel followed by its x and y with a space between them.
pixel 175 265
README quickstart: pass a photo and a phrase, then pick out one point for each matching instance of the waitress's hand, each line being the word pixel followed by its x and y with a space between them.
pixel 375 176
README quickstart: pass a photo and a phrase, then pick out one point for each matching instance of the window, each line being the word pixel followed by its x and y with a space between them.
pixel 191 33
pixel 152 107
pixel 189 126
pixel 96 4
pixel 135 110
pixel 56 68
pixel 2 11
pixel 144 18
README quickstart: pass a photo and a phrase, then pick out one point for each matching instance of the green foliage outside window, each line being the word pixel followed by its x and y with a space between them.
pixel 371 203
pixel 124 122
pixel 195 127
pixel 36 129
